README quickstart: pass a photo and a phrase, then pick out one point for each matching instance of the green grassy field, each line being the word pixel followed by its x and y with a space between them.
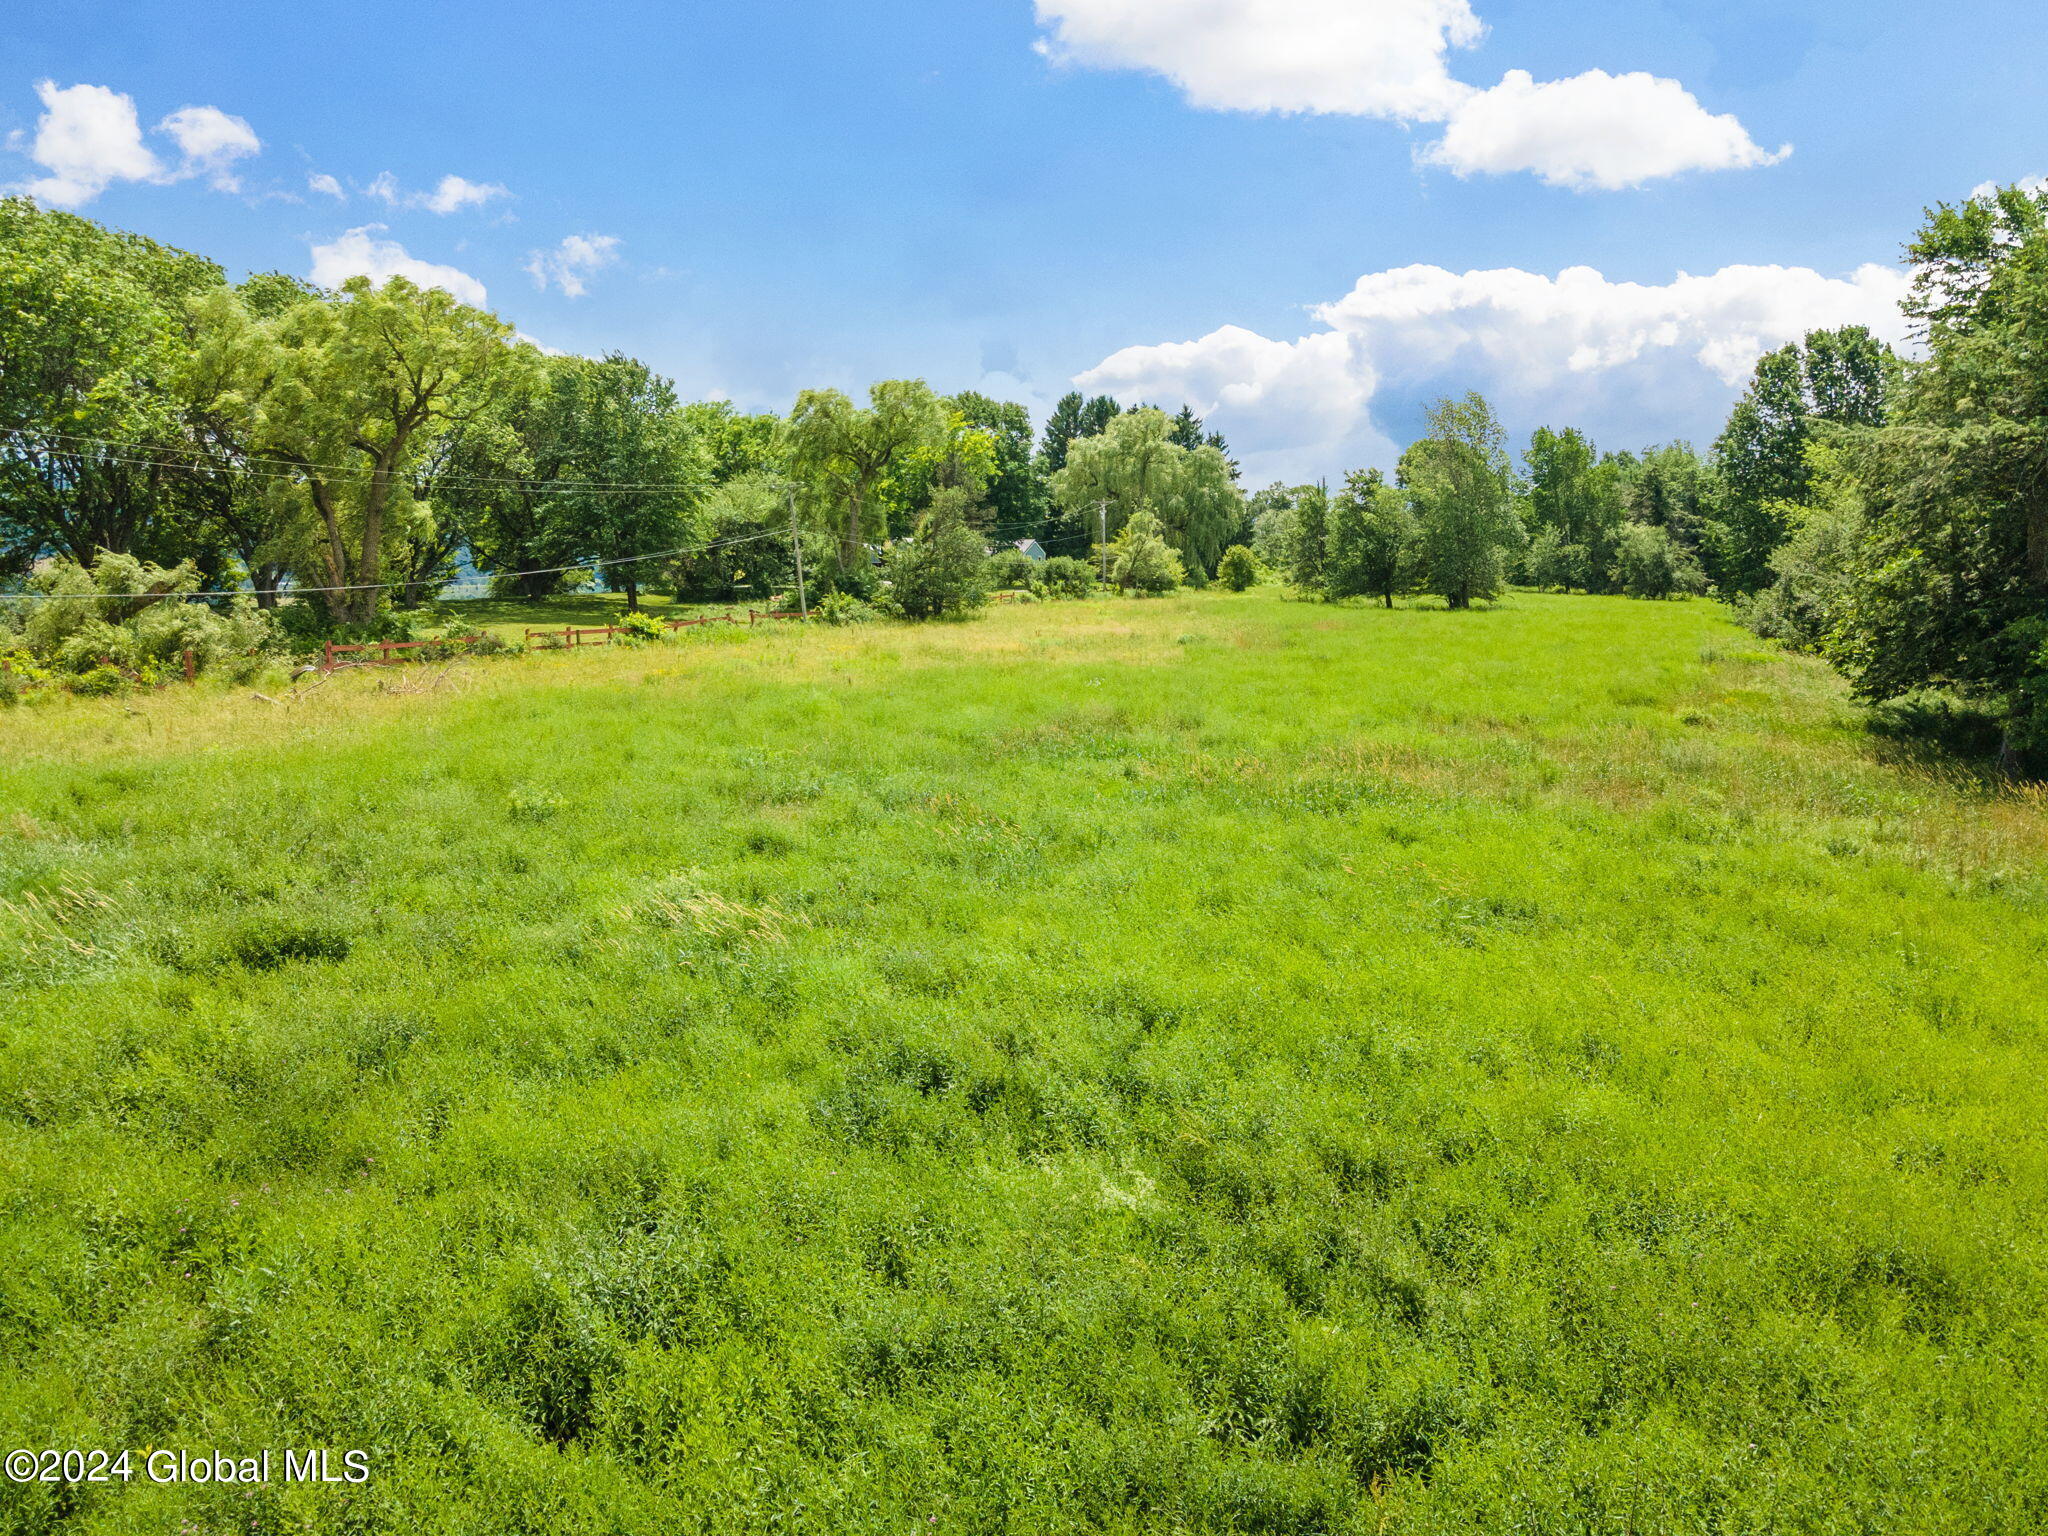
pixel 1217 1064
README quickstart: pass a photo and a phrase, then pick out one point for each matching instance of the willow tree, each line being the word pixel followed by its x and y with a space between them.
pixel 1134 465
pixel 847 454
pixel 343 390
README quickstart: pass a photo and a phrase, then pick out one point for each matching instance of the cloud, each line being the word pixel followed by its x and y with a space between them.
pixel 1372 58
pixel 570 264
pixel 358 253
pixel 451 196
pixel 1390 59
pixel 87 139
pixel 454 193
pixel 1633 362
pixel 322 182
pixel 1594 130
pixel 2033 184
pixel 210 141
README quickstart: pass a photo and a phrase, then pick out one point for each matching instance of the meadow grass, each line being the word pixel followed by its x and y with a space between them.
pixel 1212 1064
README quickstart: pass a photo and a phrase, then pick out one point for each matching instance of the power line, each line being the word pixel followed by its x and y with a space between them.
pixel 292 469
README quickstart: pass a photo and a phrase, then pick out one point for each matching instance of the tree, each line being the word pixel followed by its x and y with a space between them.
pixel 1674 489
pixel 1017 495
pixel 1650 563
pixel 944 568
pixel 1580 496
pixel 1842 377
pixel 847 453
pixel 1135 464
pixel 1373 540
pixel 1950 584
pixel 1458 478
pixel 345 391
pixel 730 442
pixel 91 423
pixel 638 475
pixel 1238 569
pixel 503 470
pixel 1140 558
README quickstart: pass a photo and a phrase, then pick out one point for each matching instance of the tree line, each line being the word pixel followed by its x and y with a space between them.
pixel 361 447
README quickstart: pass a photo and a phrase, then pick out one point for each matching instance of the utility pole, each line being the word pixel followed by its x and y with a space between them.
pixel 796 544
pixel 1102 519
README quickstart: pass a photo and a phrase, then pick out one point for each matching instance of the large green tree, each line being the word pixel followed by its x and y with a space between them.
pixel 637 475
pixel 846 453
pixel 1459 477
pixel 1842 377
pixel 1951 587
pixel 92 420
pixel 1134 465
pixel 347 392
pixel 1374 540
pixel 1017 495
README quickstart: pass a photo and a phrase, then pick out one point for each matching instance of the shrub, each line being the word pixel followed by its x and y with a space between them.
pixel 844 608
pixel 1238 569
pixel 1064 576
pixel 1648 564
pixel 637 627
pixel 100 681
pixel 1012 568
pixel 137 616
pixel 944 569
pixel 1142 560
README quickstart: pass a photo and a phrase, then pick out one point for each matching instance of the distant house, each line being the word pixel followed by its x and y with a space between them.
pixel 1031 548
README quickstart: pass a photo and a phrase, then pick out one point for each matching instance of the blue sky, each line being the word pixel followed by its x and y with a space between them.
pixel 1153 195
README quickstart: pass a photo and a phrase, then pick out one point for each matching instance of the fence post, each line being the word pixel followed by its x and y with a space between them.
pixel 328 664
pixel 191 666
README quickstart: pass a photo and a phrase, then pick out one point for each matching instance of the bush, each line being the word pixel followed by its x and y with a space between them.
pixel 944 569
pixel 1238 569
pixel 1649 565
pixel 100 681
pixel 636 627
pixel 844 608
pixel 1064 576
pixel 1012 568
pixel 139 618
pixel 1142 560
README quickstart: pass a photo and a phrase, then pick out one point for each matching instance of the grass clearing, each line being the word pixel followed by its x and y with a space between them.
pixel 1212 1064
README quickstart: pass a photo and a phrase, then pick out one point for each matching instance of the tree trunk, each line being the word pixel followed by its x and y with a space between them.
pixel 632 596
pixel 849 547
pixel 335 553
pixel 371 567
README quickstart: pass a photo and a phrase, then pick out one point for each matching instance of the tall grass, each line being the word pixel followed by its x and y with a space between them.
pixel 1215 1064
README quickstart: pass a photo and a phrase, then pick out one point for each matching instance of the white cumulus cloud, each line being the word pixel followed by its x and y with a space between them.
pixel 359 253
pixel 324 183
pixel 210 141
pixel 1375 58
pixel 1594 130
pixel 87 139
pixel 1391 59
pixel 570 265
pixel 1633 362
